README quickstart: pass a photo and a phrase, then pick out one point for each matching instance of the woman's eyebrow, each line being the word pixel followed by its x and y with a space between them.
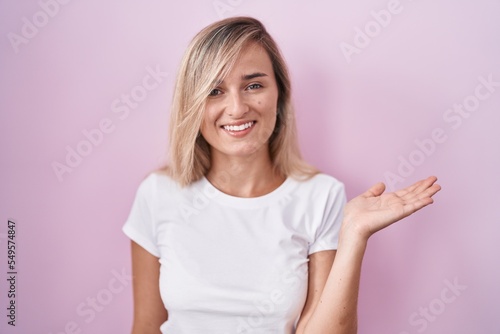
pixel 244 77
pixel 253 75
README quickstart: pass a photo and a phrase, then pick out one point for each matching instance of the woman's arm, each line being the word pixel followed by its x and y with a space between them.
pixel 319 266
pixel 149 312
pixel 336 311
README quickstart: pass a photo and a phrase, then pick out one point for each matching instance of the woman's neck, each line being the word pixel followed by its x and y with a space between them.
pixel 244 176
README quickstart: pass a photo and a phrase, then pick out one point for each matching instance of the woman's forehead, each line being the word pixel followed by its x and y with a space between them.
pixel 252 62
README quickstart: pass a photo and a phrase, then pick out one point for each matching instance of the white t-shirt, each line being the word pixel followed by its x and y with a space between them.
pixel 232 265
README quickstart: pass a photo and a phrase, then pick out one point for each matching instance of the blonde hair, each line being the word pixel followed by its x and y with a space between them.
pixel 209 58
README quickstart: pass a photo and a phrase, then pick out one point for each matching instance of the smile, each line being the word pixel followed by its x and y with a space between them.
pixel 236 128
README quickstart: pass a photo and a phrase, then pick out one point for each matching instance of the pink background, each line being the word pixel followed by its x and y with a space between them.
pixel 357 119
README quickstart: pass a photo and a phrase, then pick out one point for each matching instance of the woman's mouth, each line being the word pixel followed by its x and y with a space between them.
pixel 238 130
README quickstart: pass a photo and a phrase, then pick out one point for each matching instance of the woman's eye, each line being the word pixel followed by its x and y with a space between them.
pixel 214 92
pixel 255 86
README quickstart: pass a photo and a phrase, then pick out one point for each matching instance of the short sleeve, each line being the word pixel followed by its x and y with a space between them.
pixel 140 225
pixel 327 234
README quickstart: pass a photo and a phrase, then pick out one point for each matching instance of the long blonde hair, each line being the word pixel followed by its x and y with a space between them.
pixel 209 58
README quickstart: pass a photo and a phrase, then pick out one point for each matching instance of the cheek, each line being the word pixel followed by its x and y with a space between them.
pixel 207 129
pixel 209 118
pixel 270 102
pixel 269 108
pixel 269 124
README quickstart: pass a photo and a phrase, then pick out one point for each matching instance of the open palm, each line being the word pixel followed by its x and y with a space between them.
pixel 375 210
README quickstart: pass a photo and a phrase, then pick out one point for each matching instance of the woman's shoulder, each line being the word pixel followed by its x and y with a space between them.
pixel 327 178
pixel 321 180
pixel 157 181
pixel 319 187
pixel 318 193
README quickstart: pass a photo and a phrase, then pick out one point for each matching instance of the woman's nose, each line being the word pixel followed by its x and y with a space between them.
pixel 236 107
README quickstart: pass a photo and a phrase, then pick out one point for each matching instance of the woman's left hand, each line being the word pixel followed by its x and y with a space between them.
pixel 373 210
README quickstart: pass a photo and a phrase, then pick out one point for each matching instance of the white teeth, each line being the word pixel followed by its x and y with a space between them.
pixel 241 127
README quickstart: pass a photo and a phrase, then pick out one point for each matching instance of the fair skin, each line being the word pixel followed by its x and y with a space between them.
pixel 246 100
pixel 247 97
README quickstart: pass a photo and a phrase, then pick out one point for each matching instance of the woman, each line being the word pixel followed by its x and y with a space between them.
pixel 239 234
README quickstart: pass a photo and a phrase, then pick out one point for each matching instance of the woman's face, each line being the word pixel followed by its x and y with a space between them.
pixel 240 113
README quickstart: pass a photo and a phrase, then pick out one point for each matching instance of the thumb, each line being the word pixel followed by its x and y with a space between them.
pixel 375 190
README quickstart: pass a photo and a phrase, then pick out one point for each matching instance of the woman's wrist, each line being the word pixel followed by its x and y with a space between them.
pixel 351 248
pixel 352 234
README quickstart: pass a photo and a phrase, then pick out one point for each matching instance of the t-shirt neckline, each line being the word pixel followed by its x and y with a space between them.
pixel 245 202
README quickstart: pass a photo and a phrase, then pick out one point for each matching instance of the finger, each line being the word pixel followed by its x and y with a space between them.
pixel 426 192
pixel 416 188
pixel 417 205
pixel 423 196
pixel 410 189
pixel 431 191
pixel 426 183
pixel 375 190
pixel 421 200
